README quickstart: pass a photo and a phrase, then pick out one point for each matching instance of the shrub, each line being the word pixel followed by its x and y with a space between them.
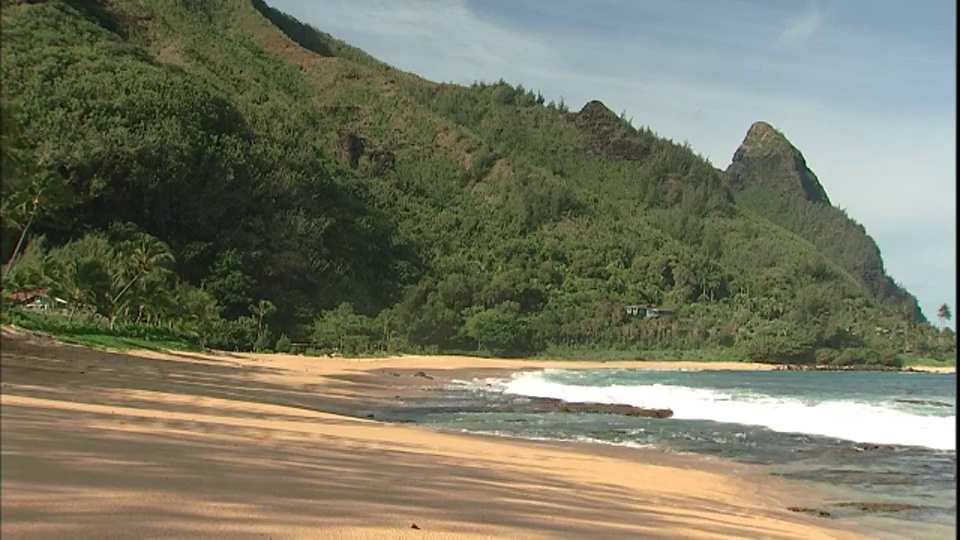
pixel 262 344
pixel 283 344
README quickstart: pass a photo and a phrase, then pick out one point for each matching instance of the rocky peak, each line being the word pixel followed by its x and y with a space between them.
pixel 596 110
pixel 608 135
pixel 772 159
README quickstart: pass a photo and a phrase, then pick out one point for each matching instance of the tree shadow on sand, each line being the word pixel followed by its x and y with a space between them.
pixel 181 474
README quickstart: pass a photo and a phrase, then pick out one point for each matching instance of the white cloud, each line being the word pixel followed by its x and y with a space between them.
pixel 802 27
pixel 441 40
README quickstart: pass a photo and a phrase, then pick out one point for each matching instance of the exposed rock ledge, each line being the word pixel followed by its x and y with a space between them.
pixel 558 405
pixel 856 367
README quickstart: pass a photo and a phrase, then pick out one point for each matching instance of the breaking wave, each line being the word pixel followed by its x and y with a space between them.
pixel 878 423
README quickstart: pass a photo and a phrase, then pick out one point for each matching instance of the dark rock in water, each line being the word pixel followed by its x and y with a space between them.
pixel 422 375
pixel 874 507
pixel 870 448
pixel 875 447
pixel 830 367
pixel 811 511
pixel 927 402
pixel 853 477
pixel 370 415
pixel 558 405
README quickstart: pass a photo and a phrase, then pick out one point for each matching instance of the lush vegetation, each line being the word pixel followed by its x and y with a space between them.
pixel 222 171
pixel 97 334
pixel 771 177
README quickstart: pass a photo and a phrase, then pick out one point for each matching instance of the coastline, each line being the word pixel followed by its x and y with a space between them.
pixel 239 445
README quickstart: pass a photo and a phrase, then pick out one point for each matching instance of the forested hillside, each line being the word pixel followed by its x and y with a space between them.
pixel 770 176
pixel 222 170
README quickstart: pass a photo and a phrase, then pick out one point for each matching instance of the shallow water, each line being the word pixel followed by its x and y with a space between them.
pixel 876 437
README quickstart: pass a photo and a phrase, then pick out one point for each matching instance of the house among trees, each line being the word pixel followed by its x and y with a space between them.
pixel 648 312
pixel 39 299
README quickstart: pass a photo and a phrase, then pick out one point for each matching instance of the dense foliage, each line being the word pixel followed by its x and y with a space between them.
pixel 225 170
pixel 771 177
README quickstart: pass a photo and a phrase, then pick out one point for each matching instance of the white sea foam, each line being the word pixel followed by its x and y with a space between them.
pixel 841 419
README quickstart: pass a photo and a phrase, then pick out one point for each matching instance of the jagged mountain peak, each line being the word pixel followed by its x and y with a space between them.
pixel 766 149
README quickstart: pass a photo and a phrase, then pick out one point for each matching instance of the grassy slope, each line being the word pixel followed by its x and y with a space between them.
pixel 101 336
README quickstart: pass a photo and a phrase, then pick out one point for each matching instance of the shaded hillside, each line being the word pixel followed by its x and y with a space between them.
pixel 770 176
pixel 306 188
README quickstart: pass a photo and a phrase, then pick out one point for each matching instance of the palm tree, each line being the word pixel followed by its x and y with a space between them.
pixel 83 282
pixel 142 256
pixel 263 308
pixel 80 272
pixel 154 298
pixel 41 193
pixel 944 315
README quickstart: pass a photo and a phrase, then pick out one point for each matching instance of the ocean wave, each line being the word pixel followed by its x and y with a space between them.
pixel 878 423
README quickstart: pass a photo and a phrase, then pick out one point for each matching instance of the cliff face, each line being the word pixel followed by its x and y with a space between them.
pixel 769 158
pixel 770 176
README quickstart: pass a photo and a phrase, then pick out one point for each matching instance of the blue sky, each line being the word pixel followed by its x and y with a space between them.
pixel 864 88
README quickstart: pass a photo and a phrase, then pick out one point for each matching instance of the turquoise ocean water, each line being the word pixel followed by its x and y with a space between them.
pixel 880 436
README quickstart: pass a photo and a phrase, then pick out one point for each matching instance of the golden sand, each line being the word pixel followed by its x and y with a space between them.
pixel 148 445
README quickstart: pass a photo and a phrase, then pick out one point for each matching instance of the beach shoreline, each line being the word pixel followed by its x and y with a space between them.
pixel 241 445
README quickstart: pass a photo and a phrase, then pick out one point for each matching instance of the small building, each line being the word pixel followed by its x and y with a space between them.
pixel 37 299
pixel 656 313
pixel 648 312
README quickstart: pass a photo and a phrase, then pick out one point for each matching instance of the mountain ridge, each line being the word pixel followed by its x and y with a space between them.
pixel 414 215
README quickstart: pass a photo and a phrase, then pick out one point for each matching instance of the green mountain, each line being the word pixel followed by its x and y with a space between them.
pixel 770 176
pixel 304 188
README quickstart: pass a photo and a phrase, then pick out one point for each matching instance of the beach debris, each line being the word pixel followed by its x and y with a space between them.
pixel 810 511
pixel 414 526
pixel 422 375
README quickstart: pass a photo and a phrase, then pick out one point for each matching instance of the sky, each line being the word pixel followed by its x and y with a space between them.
pixel 866 89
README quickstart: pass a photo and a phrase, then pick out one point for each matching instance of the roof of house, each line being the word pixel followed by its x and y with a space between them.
pixel 22 296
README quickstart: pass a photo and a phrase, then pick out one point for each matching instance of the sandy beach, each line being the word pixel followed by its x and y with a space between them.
pixel 181 445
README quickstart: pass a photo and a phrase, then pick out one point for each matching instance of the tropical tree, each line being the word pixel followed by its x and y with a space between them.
pixel 261 310
pixel 944 314
pixel 154 298
pixel 137 258
pixel 195 307
pixel 13 168
pixel 81 272
pixel 40 194
pixel 500 330
pixel 26 192
pixel 31 272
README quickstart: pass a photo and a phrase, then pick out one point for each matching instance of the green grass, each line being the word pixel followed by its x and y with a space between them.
pixel 122 337
pixel 927 361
